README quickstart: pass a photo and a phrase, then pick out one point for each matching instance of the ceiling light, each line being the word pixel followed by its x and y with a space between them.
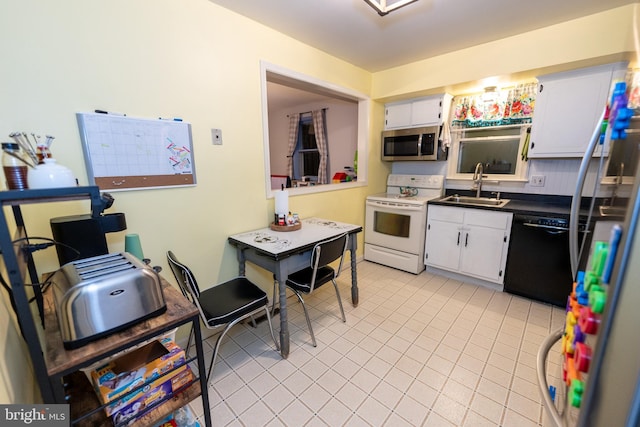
pixel 385 6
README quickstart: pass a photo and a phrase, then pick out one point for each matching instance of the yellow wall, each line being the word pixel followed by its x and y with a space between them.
pixel 151 58
pixel 195 60
pixel 606 37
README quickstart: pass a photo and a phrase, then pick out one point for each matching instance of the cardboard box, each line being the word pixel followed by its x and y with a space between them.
pixel 183 417
pixel 121 375
pixel 134 405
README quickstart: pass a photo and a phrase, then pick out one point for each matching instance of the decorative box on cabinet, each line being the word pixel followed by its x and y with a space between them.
pixel 471 242
pixel 568 108
pixel 426 111
pixel 58 371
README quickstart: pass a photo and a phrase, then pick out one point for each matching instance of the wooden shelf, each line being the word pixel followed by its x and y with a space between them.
pixel 84 400
pixel 61 361
pixel 66 365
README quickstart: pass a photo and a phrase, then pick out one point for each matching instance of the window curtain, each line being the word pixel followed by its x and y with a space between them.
pixel 512 106
pixel 294 123
pixel 319 117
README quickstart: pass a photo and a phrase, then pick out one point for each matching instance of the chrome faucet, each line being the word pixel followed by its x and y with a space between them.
pixel 614 193
pixel 477 179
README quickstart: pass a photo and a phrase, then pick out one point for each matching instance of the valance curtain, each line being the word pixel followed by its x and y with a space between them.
pixel 294 123
pixel 512 106
pixel 321 143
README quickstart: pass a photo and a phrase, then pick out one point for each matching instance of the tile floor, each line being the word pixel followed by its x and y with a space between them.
pixel 419 350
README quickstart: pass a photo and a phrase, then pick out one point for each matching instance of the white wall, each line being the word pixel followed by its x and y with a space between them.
pixel 560 177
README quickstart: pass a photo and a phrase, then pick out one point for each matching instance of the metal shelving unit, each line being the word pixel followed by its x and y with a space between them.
pixel 53 370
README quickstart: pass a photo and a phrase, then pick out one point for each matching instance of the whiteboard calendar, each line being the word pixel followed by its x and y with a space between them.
pixel 124 153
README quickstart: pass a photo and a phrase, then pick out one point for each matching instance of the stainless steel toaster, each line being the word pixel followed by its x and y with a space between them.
pixel 98 296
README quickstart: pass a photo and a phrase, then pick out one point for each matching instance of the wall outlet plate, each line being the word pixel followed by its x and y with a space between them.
pixel 537 181
pixel 216 136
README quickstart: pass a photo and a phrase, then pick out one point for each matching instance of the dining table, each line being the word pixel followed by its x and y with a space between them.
pixel 284 252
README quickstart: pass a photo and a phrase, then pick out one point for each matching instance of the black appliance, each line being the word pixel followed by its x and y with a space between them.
pixel 538 265
pixel 83 236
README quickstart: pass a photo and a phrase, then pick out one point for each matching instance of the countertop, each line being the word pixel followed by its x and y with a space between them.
pixel 530 204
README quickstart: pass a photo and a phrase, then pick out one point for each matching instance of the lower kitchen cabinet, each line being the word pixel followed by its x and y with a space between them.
pixel 472 242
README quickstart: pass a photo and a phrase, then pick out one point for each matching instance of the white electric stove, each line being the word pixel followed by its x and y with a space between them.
pixel 395 223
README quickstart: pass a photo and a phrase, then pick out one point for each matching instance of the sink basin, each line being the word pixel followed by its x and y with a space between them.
pixel 613 211
pixel 477 201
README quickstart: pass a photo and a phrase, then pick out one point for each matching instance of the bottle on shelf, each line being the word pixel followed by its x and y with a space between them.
pixel 43 152
pixel 14 166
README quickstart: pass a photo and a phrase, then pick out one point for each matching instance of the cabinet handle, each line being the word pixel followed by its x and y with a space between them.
pixel 466 240
pixel 541 87
pixel 458 244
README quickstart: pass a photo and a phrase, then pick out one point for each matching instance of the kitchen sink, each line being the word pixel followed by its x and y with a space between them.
pixel 477 201
pixel 613 211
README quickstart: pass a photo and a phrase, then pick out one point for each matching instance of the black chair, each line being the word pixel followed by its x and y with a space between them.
pixel 320 272
pixel 224 304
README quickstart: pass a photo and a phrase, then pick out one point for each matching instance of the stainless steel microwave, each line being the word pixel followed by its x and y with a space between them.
pixel 413 144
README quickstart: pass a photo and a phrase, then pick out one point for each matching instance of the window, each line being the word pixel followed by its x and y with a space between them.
pixel 623 159
pixel 306 153
pixel 499 149
pixel 346 126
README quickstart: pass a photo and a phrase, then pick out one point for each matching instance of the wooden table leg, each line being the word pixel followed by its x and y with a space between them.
pixel 284 324
pixel 241 261
pixel 354 273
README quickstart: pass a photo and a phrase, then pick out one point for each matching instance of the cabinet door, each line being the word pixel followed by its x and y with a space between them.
pixel 397 115
pixel 426 112
pixel 442 248
pixel 485 243
pixel 483 252
pixel 568 108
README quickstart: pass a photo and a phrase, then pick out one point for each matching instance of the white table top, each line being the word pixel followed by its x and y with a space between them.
pixel 277 243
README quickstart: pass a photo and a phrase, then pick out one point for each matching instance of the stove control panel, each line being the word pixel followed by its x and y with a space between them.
pixel 417 181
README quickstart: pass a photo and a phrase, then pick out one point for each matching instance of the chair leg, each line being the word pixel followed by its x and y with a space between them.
pixel 273 335
pixel 335 285
pixel 306 314
pixel 217 346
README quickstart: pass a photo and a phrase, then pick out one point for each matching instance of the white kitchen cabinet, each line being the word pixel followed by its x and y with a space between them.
pixel 427 111
pixel 468 241
pixel 568 108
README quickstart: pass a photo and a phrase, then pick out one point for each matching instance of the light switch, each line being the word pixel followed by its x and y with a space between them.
pixel 216 136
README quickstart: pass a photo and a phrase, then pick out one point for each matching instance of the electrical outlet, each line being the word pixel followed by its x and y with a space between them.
pixel 537 181
pixel 216 136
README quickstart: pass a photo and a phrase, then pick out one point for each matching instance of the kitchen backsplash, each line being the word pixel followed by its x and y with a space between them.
pixel 560 177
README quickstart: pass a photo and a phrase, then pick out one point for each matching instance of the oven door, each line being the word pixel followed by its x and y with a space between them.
pixel 396 225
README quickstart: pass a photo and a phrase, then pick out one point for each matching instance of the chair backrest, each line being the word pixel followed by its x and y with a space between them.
pixel 326 252
pixel 185 278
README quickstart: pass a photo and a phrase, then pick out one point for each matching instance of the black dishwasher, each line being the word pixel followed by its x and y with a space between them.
pixel 538 263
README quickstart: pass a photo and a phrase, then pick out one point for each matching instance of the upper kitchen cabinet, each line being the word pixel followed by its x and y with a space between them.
pixel 568 108
pixel 427 111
